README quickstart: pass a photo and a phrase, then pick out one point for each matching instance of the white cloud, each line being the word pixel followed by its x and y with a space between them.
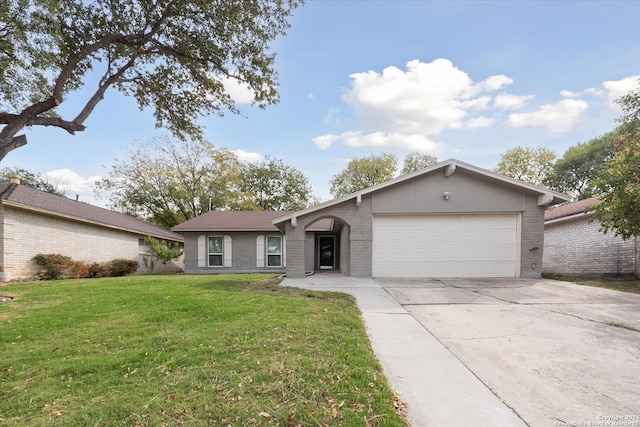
pixel 569 94
pixel 239 92
pixel 479 122
pixel 426 99
pixel 323 142
pixel 558 117
pixel 70 181
pixel 409 108
pixel 413 142
pixel 506 101
pixel 405 109
pixel 617 88
pixel 332 116
pixel 496 82
pixel 247 156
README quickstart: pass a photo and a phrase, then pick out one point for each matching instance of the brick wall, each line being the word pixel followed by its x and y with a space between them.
pixel 28 233
pixel 577 247
pixel 355 239
pixel 532 239
pixel 243 253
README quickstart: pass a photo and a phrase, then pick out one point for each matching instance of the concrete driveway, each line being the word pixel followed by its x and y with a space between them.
pixel 502 351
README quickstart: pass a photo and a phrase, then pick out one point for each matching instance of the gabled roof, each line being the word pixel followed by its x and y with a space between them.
pixel 232 221
pixel 27 198
pixel 546 197
pixel 570 209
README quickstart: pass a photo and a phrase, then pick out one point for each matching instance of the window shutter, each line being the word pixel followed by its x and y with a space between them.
pixel 284 251
pixel 260 251
pixel 202 250
pixel 227 251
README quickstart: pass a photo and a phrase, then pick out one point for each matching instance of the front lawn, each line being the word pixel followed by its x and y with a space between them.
pixel 231 350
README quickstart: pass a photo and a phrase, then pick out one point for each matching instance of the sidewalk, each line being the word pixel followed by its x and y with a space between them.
pixel 438 389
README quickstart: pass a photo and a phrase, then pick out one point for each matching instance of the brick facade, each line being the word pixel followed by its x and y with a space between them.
pixel 243 252
pixel 532 240
pixel 28 233
pixel 576 246
pixel 355 239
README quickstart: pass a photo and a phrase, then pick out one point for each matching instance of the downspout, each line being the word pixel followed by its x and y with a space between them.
pixel 637 257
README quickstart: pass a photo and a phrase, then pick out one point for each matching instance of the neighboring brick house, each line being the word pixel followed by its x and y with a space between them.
pixel 33 222
pixel 575 245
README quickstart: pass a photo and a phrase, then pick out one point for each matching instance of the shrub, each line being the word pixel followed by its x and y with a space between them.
pixel 78 269
pixel 58 266
pixel 122 267
pixel 98 269
pixel 55 265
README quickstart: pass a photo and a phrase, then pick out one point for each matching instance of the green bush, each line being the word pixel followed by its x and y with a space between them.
pixel 122 267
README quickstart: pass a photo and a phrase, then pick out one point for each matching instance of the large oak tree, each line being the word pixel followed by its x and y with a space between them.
pixel 173 56
pixel 169 181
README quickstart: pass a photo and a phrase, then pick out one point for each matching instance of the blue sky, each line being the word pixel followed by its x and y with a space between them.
pixel 465 80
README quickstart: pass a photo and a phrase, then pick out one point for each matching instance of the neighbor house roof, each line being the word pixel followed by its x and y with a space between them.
pixel 578 208
pixel 232 221
pixel 545 196
pixel 27 198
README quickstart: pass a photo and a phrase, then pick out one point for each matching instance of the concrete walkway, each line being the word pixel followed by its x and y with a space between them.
pixel 438 389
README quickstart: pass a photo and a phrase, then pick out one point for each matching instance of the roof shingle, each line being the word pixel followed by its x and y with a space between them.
pixel 569 209
pixel 232 221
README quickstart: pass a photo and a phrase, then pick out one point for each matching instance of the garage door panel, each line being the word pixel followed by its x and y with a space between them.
pixel 445 246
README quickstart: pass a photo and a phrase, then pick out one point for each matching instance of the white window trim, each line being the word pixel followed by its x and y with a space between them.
pixel 208 255
pixel 281 253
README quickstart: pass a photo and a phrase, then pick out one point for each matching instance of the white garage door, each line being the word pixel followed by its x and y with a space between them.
pixel 445 246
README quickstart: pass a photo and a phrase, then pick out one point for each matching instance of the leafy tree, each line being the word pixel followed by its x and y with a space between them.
pixel 173 56
pixel 168 181
pixel 274 185
pixel 30 179
pixel 363 172
pixel 575 173
pixel 619 183
pixel 532 165
pixel 417 161
pixel 160 251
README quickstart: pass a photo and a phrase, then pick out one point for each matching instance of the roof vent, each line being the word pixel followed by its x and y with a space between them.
pixel 14 178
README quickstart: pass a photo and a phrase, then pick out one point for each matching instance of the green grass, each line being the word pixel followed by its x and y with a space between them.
pixel 230 350
pixel 624 284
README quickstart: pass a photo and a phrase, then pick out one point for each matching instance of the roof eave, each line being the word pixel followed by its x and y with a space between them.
pixel 226 230
pixel 551 197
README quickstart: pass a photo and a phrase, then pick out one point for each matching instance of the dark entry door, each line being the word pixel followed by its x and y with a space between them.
pixel 326 252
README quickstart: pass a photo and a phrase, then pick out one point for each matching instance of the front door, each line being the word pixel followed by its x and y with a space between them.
pixel 326 252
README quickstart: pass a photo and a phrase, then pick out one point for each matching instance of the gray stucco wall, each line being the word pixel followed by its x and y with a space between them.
pixel 243 258
pixel 578 247
pixel 470 192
